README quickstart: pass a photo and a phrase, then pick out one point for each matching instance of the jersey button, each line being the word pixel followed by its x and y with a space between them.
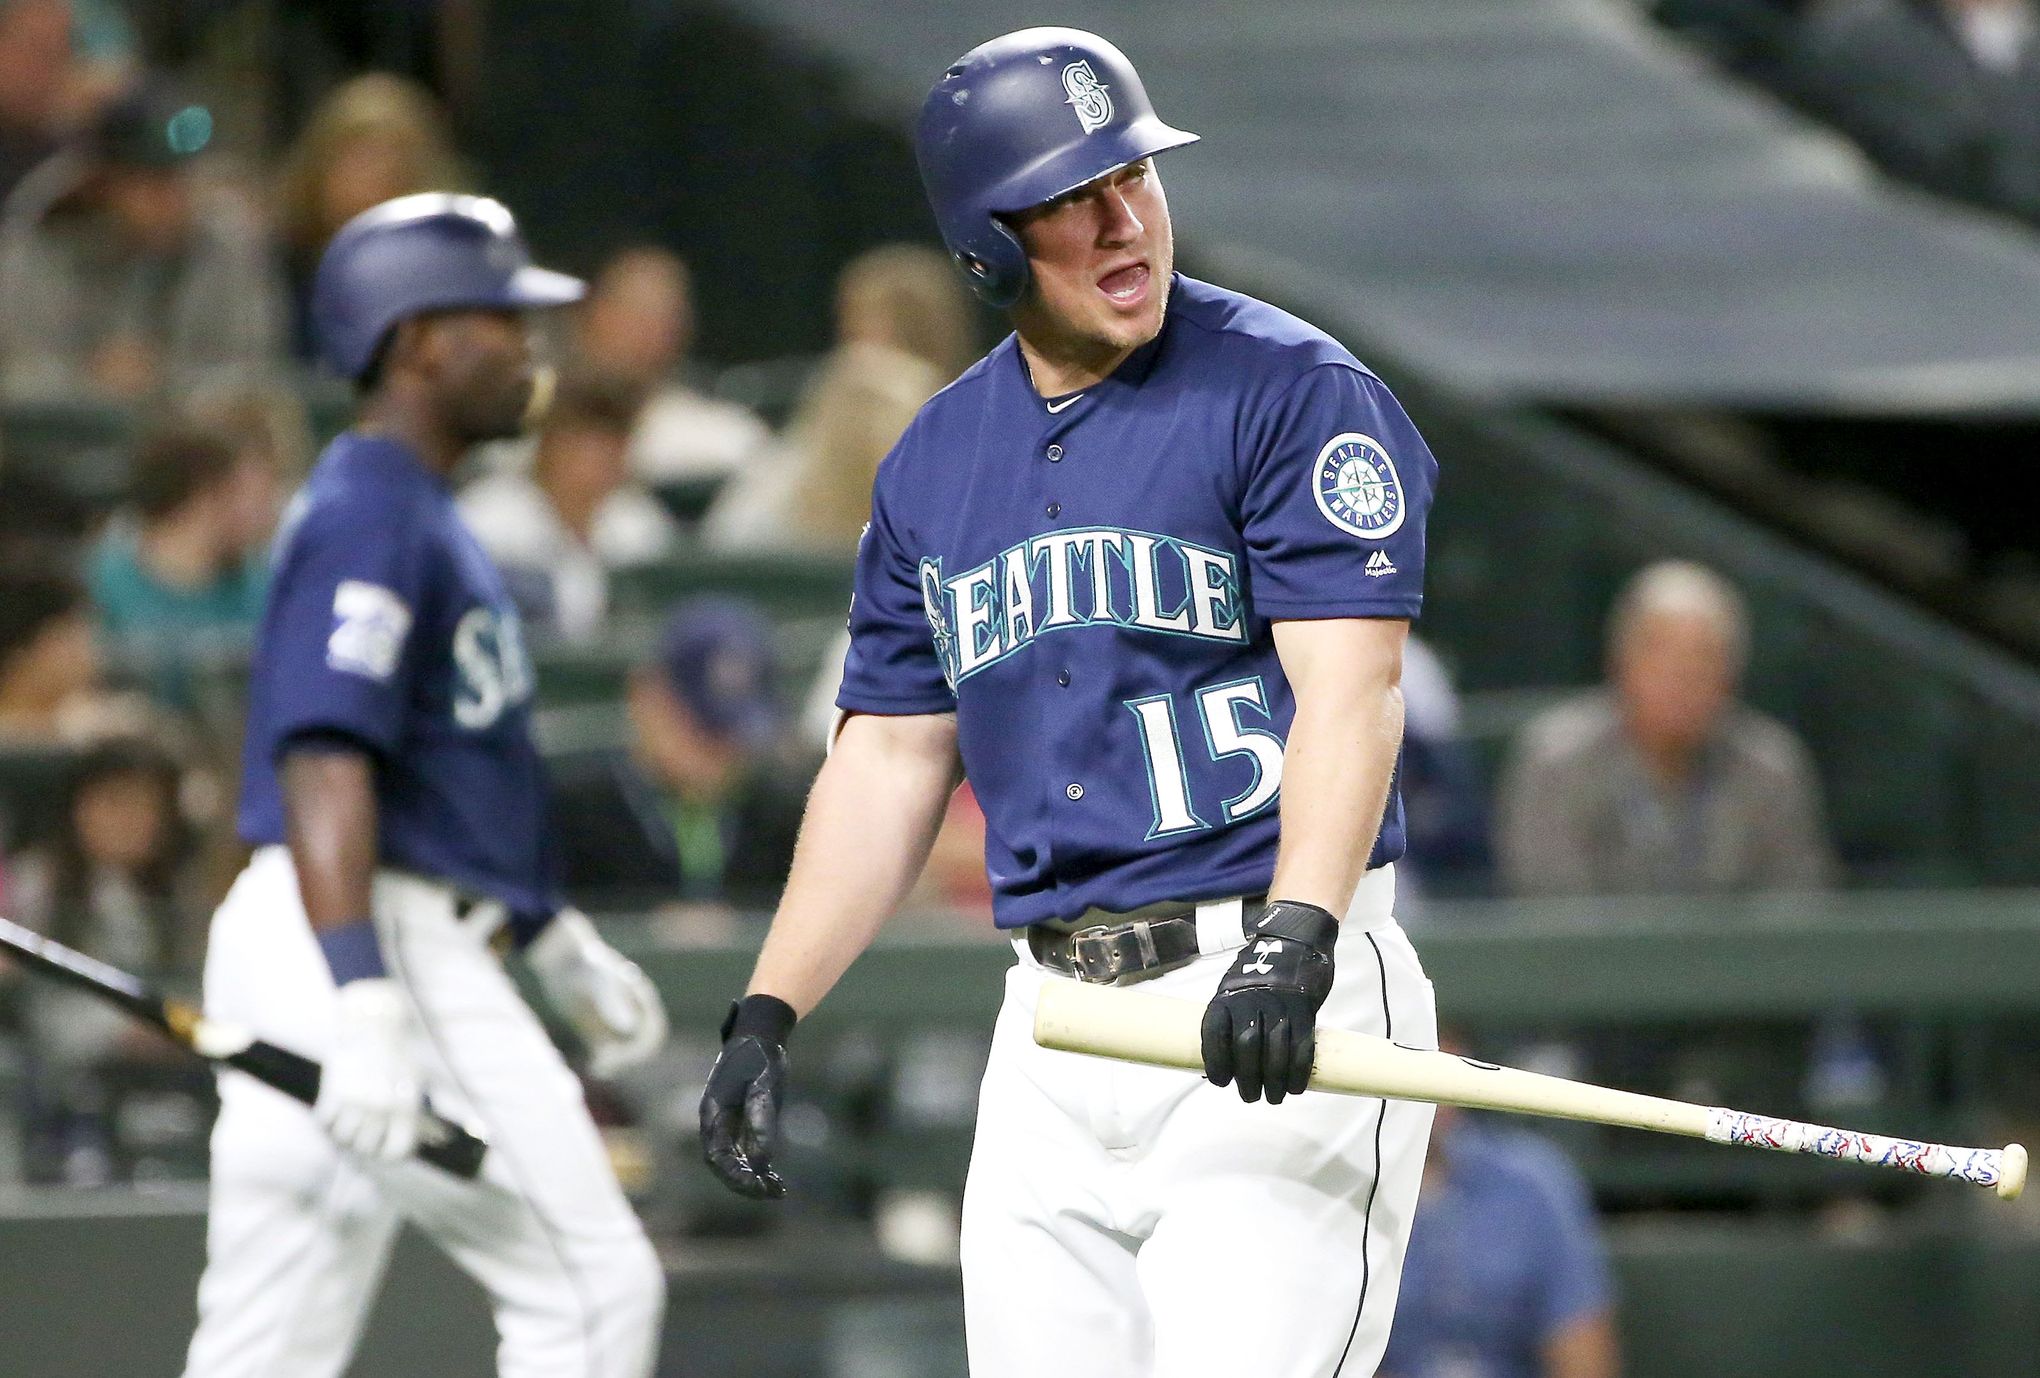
pixel 1055 454
pixel 1055 509
pixel 1062 677
pixel 1075 791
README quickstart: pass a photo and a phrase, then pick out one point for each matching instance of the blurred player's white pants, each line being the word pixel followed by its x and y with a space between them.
pixel 1123 1221
pixel 297 1234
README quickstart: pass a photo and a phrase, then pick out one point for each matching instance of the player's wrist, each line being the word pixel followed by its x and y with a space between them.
pixel 1310 924
pixel 763 1016
pixel 352 951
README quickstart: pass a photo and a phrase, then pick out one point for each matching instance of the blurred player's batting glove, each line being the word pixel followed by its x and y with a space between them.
pixel 740 1107
pixel 611 1004
pixel 370 1093
pixel 1260 1029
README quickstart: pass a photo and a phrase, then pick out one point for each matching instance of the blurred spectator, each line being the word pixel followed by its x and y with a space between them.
pixel 1943 93
pixel 908 297
pixel 371 139
pixel 903 330
pixel 123 273
pixel 558 532
pixel 181 570
pixel 114 884
pixel 104 41
pixel 35 67
pixel 61 62
pixel 699 808
pixel 638 322
pixel 272 438
pixel 1444 804
pixel 1506 1275
pixel 49 662
pixel 812 490
pixel 1664 783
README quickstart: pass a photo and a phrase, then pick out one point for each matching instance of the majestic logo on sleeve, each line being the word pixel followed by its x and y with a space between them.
pixel 1357 488
pixel 1088 96
pixel 1104 576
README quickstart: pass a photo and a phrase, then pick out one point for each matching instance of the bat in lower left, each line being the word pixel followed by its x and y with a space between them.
pixel 442 1143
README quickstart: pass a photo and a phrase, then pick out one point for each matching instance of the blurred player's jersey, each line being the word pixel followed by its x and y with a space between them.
pixel 1087 581
pixel 387 625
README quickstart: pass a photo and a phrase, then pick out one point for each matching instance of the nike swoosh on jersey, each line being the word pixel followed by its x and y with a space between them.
pixel 1054 407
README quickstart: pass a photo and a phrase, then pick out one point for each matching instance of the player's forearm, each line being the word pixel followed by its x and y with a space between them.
pixel 1335 777
pixel 330 826
pixel 1338 760
pixel 871 819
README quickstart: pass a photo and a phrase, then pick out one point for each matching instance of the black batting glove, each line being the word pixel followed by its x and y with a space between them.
pixel 1260 1029
pixel 740 1105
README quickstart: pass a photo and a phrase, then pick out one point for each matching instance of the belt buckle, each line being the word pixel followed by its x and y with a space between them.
pixel 1107 970
pixel 1116 966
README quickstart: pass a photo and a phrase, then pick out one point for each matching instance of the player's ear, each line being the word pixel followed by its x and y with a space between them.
pixel 408 345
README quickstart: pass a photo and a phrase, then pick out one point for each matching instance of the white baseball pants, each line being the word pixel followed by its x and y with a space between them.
pixel 298 1234
pixel 1123 1221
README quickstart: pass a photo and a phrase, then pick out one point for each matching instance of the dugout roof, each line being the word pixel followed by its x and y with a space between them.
pixel 1543 200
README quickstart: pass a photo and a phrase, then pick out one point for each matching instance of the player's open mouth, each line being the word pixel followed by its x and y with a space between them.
pixel 1126 286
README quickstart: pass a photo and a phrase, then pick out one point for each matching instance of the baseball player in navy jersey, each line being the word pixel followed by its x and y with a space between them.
pixel 395 803
pixel 1144 574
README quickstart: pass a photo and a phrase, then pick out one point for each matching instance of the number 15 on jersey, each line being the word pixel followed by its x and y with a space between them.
pixel 1219 710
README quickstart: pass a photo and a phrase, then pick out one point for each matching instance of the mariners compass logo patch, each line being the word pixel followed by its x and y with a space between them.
pixel 1357 488
pixel 1088 96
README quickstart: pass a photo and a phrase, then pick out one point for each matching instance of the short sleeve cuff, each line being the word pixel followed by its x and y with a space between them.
pixel 1316 609
pixel 889 707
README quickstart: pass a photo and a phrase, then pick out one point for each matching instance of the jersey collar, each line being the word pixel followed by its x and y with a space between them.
pixel 389 455
pixel 1132 371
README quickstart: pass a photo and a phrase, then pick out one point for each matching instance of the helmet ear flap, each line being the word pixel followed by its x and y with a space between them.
pixel 998 275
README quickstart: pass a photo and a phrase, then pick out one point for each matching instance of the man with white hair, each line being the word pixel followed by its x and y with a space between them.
pixel 1664 782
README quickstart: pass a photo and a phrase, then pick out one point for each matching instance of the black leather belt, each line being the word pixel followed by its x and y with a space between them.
pixel 1107 954
pixel 1115 953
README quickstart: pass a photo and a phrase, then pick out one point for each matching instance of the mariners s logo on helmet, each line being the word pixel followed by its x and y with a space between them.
pixel 1088 96
pixel 1357 488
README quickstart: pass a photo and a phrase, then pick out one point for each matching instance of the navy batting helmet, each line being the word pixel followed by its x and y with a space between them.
pixel 1019 121
pixel 429 252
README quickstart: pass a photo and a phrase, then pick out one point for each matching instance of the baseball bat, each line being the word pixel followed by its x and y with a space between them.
pixel 441 1142
pixel 1164 1032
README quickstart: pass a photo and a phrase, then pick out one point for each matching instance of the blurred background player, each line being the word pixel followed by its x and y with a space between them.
pixel 396 806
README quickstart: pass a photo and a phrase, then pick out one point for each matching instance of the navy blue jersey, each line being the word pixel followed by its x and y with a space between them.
pixel 386 624
pixel 1087 581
